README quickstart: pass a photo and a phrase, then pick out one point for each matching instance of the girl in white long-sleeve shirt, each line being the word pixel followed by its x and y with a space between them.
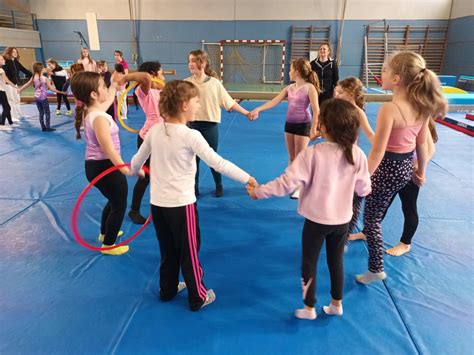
pixel 173 148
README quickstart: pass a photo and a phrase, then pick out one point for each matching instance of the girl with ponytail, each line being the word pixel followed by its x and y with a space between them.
pixel 300 124
pixel 401 128
pixel 328 174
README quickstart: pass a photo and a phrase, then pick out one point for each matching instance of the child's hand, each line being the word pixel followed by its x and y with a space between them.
pixel 252 182
pixel 141 173
pixel 314 134
pixel 419 180
pixel 126 171
pixel 251 191
pixel 117 78
pixel 253 115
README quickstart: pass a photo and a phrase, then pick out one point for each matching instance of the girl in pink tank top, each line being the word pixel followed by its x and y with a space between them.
pixel 150 82
pixel 300 125
pixel 401 128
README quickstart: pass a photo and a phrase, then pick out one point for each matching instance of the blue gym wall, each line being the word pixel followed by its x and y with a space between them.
pixel 459 57
pixel 171 41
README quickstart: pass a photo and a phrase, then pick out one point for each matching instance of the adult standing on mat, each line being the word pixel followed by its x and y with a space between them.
pixel 12 69
pixel 212 96
pixel 327 70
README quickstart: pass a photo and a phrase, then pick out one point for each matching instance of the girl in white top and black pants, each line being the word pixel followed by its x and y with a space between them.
pixel 173 148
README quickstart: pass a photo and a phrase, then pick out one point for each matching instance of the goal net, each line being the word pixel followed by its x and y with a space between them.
pixel 248 61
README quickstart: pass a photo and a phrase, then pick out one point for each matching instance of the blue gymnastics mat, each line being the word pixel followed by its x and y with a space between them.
pixel 58 298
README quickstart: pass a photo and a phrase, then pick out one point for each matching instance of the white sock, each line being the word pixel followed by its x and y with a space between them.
pixel 333 310
pixel 368 277
pixel 304 313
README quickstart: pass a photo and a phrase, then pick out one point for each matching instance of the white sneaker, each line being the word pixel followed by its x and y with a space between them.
pixel 181 286
pixel 210 297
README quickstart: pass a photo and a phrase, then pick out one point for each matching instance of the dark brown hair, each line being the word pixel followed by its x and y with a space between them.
pixel 83 83
pixel 354 86
pixel 340 120
pixel 174 95
pixel 37 67
pixel 202 58
pixel 302 66
pixel 54 62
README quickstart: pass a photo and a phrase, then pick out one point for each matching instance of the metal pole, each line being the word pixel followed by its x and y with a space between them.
pixel 264 61
pixel 366 30
pixel 13 19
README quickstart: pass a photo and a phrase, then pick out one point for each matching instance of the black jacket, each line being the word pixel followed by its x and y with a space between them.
pixel 58 80
pixel 12 69
pixel 328 75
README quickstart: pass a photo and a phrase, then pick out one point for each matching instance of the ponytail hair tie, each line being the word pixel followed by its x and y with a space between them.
pixel 422 70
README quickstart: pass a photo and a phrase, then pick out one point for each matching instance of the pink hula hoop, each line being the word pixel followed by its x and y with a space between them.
pixel 75 212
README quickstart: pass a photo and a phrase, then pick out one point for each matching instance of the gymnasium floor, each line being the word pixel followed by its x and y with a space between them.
pixel 57 297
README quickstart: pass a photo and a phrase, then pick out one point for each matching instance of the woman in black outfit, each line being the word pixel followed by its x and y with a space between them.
pixel 327 71
pixel 12 69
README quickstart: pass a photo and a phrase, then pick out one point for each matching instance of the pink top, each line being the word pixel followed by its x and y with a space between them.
pixel 93 149
pixel 327 183
pixel 149 104
pixel 124 63
pixel 403 140
pixel 298 105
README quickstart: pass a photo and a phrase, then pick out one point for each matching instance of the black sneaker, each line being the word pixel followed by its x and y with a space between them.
pixel 49 129
pixel 219 191
pixel 136 217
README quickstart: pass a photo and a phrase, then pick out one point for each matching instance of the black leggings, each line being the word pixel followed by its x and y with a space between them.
pixel 141 184
pixel 314 235
pixel 114 187
pixel 210 132
pixel 6 115
pixel 59 97
pixel 408 197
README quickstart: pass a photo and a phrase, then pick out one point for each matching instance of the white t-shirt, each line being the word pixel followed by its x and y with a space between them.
pixel 173 149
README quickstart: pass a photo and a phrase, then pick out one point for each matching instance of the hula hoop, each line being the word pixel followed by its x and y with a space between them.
pixel 124 95
pixel 75 212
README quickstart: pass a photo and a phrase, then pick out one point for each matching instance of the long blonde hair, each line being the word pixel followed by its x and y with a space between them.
pixel 302 66
pixel 202 58
pixel 423 86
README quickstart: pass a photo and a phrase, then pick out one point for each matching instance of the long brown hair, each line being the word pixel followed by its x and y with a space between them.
pixel 54 62
pixel 37 68
pixel 423 86
pixel 83 83
pixel 340 120
pixel 302 66
pixel 7 53
pixel 202 58
pixel 354 86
